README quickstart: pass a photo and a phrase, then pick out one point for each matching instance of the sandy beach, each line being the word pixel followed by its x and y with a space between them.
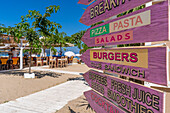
pixel 79 105
pixel 13 85
pixel 81 68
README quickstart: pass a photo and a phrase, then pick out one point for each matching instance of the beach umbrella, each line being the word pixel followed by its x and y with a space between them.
pixel 78 55
pixel 69 53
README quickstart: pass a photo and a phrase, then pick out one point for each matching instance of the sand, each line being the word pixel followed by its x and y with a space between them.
pixel 81 68
pixel 13 85
pixel 79 105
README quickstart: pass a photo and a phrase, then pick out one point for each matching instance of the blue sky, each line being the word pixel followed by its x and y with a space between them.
pixel 68 16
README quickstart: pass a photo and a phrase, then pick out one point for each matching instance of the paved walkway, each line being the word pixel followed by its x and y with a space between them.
pixel 46 101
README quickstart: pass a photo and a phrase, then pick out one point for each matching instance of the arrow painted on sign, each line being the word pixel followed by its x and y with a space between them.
pixel 143 63
pixel 125 93
pixel 85 2
pixel 104 9
pixel 100 104
pixel 124 30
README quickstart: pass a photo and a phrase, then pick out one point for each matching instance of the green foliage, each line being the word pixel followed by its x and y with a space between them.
pixel 2 29
pixel 53 50
pixel 76 39
pixel 131 10
pixel 85 47
pixel 41 21
pixel 46 28
pixel 97 23
pixel 34 51
pixel 58 38
pixel 64 49
pixel 34 25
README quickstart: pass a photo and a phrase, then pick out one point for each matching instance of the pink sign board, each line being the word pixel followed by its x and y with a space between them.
pixel 144 63
pixel 137 27
pixel 100 104
pixel 131 96
pixel 103 9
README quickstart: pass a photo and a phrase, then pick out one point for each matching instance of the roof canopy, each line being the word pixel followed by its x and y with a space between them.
pixel 7 41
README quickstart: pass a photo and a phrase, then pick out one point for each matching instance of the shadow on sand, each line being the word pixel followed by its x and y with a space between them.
pixel 38 74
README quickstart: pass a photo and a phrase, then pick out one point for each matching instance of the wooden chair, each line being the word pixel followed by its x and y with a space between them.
pixel 24 61
pixel 0 64
pixel 15 62
pixel 4 63
pixel 60 62
pixel 45 61
pixel 71 59
pixel 39 61
pixel 52 62
pixel 74 60
pixel 66 60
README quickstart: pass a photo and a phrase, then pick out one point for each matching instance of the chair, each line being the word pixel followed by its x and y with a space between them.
pixel 4 63
pixel 66 60
pixel 74 60
pixel 60 62
pixel 39 61
pixel 45 61
pixel 0 64
pixel 71 59
pixel 15 62
pixel 26 61
pixel 52 62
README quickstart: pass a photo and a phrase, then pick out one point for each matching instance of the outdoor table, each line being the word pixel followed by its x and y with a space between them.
pixel 0 65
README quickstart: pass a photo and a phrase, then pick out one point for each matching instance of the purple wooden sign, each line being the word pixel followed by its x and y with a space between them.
pixel 145 63
pixel 85 2
pixel 131 96
pixel 103 9
pixel 146 27
pixel 100 104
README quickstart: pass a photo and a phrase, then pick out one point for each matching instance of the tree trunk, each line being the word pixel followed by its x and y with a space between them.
pixel 30 61
pixel 60 49
pixel 44 51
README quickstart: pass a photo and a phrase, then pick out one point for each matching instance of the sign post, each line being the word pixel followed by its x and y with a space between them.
pixel 103 9
pixel 131 28
pixel 144 63
pixel 100 104
pixel 133 97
